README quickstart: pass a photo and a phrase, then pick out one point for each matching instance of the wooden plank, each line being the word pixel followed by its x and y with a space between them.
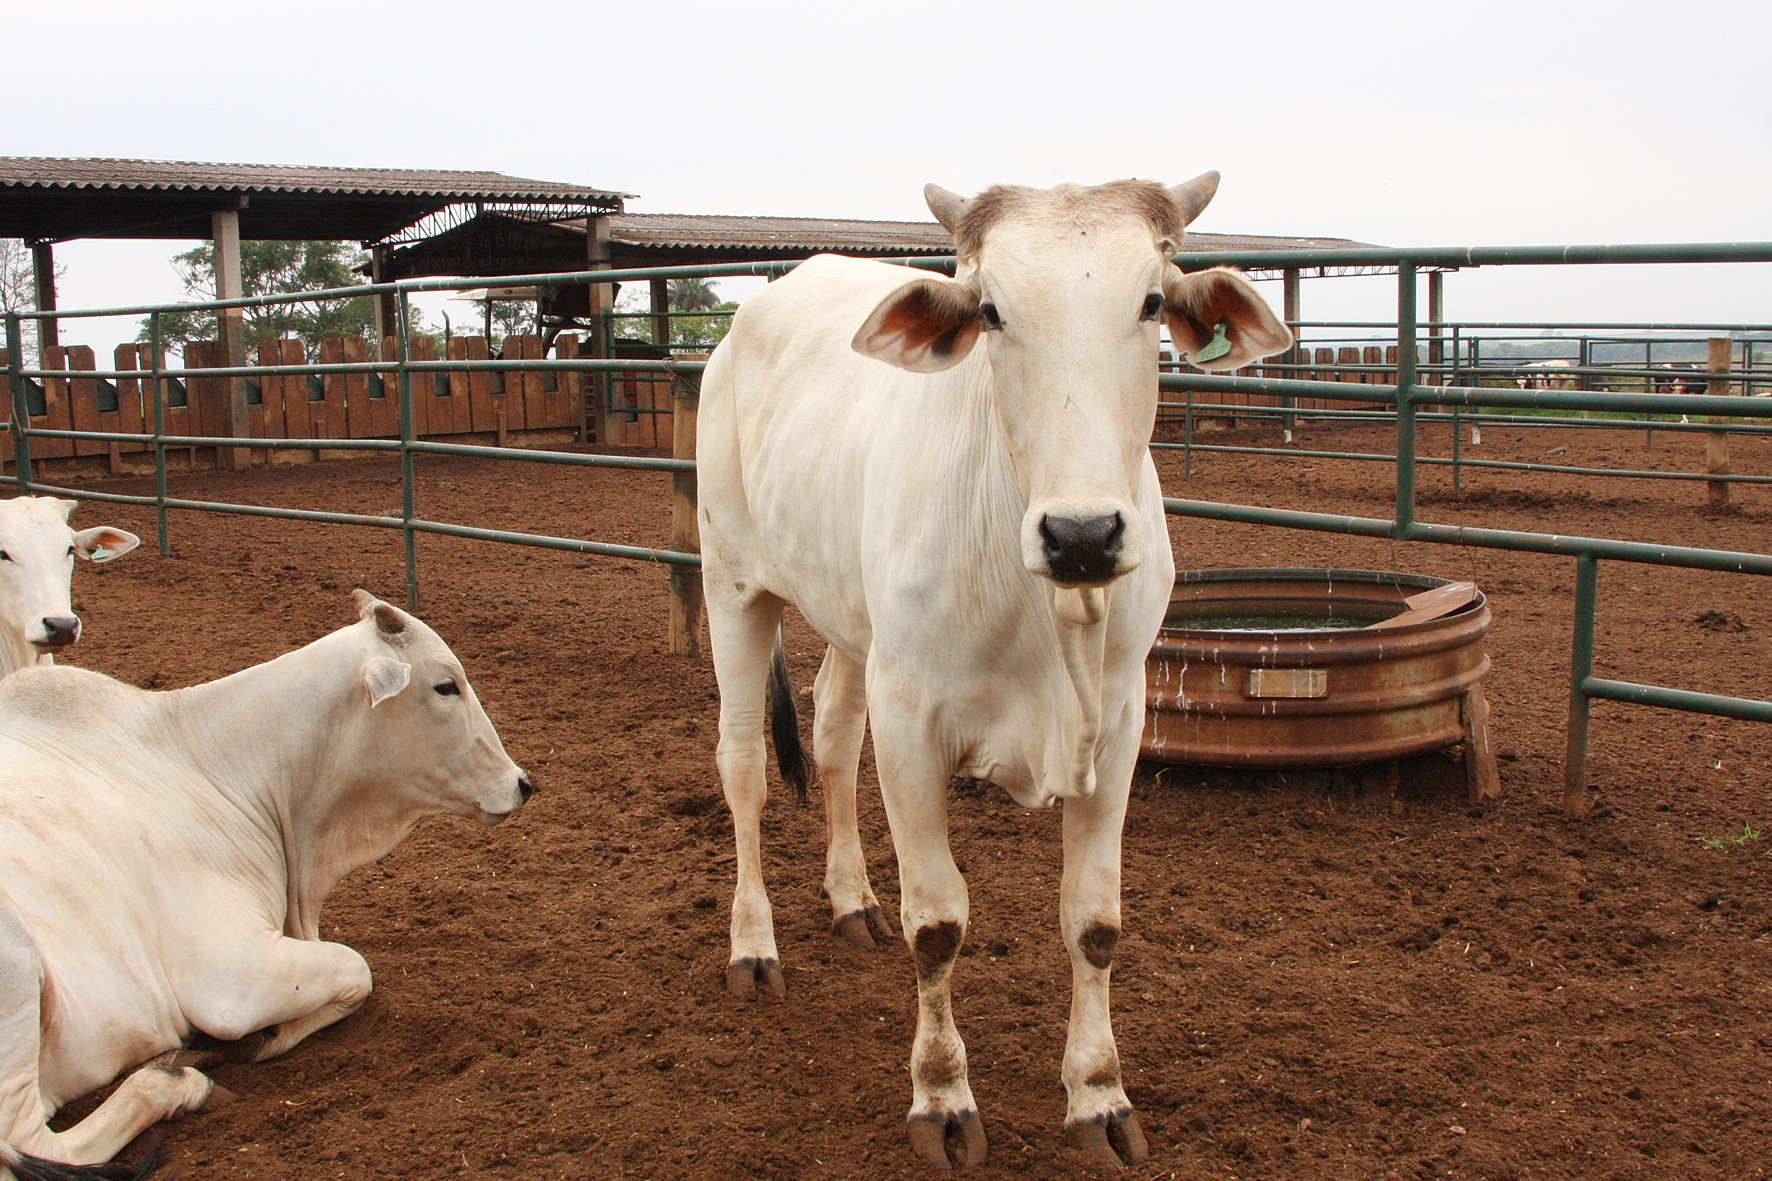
pixel 1716 443
pixel 686 587
pixel 359 418
pixel 83 399
pixel 1429 604
pixel 526 386
pixel 1482 775
pixel 423 391
pixel 327 415
pixel 129 418
pixel 384 412
pixel 571 385
pixel 57 415
pixel 479 411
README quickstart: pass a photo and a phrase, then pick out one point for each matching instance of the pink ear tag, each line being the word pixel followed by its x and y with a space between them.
pixel 1215 348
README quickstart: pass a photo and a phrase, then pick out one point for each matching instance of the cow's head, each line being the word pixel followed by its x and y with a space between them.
pixel 1069 289
pixel 37 551
pixel 429 740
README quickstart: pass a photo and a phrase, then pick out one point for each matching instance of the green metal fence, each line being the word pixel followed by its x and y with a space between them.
pixel 1406 402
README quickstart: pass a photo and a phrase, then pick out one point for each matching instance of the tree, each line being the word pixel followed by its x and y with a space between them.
pixel 691 295
pixel 274 268
pixel 18 291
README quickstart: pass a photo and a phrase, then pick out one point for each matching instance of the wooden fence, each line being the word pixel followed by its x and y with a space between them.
pixel 454 406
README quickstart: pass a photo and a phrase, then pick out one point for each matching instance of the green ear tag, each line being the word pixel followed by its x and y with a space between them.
pixel 1215 348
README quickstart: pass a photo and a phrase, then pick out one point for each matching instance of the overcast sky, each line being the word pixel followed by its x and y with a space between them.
pixel 1417 122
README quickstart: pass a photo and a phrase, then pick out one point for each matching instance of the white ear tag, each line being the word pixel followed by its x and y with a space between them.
pixel 1215 348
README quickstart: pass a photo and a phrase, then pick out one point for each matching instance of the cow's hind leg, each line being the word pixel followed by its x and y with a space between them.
pixel 143 1099
pixel 1099 1118
pixel 839 721
pixel 743 638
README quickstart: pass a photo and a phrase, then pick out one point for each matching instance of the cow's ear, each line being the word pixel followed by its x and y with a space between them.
pixel 1199 308
pixel 384 676
pixel 925 326
pixel 104 543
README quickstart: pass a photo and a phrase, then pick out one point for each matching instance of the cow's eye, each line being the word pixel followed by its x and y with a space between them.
pixel 4 556
pixel 992 321
pixel 447 689
pixel 1153 307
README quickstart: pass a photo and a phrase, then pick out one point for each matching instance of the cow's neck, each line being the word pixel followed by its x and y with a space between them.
pixel 281 741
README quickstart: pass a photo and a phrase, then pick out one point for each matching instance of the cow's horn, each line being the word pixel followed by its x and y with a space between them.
pixel 947 207
pixel 1195 195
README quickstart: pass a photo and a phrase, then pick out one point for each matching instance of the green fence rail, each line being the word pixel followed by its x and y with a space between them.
pixel 1405 402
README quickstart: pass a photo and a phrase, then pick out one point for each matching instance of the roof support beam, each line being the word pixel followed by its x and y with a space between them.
pixel 598 255
pixel 224 225
pixel 43 264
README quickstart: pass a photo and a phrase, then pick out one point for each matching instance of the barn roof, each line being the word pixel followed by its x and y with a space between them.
pixel 506 243
pixel 46 199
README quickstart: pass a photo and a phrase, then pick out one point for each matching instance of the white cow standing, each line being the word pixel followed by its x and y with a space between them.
pixel 951 480
pixel 37 551
pixel 164 858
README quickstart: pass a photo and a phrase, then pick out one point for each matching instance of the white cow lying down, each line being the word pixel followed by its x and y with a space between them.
pixel 37 550
pixel 164 858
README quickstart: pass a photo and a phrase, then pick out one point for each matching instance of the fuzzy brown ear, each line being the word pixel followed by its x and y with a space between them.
pixel 390 621
pixel 925 326
pixel 102 543
pixel 1195 306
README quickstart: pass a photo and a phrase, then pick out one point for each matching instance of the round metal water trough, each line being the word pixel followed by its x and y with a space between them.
pixel 1284 668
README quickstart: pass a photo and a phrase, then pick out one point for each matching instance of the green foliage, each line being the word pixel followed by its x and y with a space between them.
pixel 688 332
pixel 1748 835
pixel 274 268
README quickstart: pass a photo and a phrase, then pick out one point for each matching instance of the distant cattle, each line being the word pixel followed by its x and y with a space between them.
pixel 164 858
pixel 951 480
pixel 1547 375
pixel 37 551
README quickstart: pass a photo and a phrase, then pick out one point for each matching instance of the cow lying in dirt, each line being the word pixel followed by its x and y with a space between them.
pixel 164 858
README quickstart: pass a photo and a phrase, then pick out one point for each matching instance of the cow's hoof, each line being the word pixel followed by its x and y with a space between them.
pixel 742 976
pixel 860 927
pixel 948 1139
pixel 218 1098
pixel 1117 1140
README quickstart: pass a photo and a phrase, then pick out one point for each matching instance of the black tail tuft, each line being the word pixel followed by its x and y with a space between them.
pixel 784 723
pixel 32 1168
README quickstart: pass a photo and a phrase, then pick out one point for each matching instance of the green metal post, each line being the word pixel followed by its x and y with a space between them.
pixel 21 410
pixel 1406 329
pixel 157 392
pixel 1457 425
pixel 401 336
pixel 1581 667
pixel 1187 437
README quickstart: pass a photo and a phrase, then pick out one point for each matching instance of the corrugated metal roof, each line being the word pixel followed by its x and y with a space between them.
pixel 681 231
pixel 23 172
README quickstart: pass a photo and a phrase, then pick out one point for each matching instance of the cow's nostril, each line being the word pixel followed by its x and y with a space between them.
pixel 60 630
pixel 525 787
pixel 1082 549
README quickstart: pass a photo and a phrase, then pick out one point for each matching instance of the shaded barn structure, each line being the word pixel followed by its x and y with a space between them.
pixel 414 224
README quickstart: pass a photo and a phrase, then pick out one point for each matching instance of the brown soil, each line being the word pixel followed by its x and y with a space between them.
pixel 1320 977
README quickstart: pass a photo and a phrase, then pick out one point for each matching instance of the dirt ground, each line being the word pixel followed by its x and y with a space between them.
pixel 1319 978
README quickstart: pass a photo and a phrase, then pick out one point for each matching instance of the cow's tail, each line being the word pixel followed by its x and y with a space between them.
pixel 33 1168
pixel 784 722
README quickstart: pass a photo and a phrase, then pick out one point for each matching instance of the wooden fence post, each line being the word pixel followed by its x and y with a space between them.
pixel 1716 443
pixel 685 620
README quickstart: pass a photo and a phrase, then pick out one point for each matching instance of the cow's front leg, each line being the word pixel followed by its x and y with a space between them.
pixel 839 723
pixel 279 988
pixel 943 1123
pixel 1098 1118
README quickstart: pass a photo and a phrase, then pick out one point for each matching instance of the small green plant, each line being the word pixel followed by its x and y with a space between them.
pixel 1747 835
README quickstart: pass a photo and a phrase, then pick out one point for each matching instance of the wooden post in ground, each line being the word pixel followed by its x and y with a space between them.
pixel 224 227
pixel 43 272
pixel 1716 443
pixel 685 622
